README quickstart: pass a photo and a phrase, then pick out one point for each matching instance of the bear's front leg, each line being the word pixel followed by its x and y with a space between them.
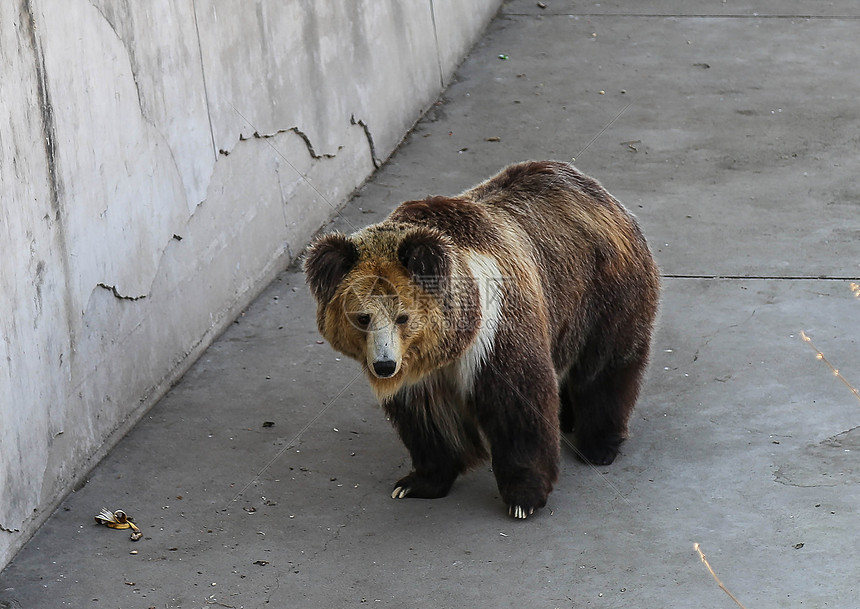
pixel 435 464
pixel 518 410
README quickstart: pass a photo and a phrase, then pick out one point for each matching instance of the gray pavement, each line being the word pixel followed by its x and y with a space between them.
pixel 263 477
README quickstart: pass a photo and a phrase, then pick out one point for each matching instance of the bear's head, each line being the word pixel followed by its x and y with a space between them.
pixel 381 299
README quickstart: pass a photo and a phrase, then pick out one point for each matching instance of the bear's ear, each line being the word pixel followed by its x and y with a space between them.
pixel 328 261
pixel 426 254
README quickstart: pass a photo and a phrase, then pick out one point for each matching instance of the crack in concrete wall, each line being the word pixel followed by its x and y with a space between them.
pixel 376 162
pixel 112 289
pixel 308 143
pixel 264 136
pixel 130 52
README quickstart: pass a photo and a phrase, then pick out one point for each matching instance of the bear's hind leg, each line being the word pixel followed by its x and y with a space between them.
pixel 566 417
pixel 602 408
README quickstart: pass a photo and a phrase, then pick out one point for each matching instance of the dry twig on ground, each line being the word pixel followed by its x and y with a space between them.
pixel 714 575
pixel 820 356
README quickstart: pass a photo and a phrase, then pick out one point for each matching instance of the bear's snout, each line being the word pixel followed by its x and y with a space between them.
pixel 384 351
pixel 384 368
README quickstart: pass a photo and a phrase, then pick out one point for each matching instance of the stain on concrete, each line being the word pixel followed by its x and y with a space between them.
pixel 831 462
pixel 28 19
pixel 46 111
pixel 38 282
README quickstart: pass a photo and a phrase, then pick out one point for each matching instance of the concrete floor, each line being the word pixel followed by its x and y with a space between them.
pixel 263 477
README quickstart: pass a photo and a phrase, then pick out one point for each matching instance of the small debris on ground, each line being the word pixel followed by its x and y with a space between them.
pixel 118 520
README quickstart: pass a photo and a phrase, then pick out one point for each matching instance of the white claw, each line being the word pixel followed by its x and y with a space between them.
pixel 518 511
pixel 400 492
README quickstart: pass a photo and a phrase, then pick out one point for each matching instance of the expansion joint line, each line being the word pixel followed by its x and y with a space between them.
pixel 760 277
pixel 738 16
pixel 203 76
pixel 436 39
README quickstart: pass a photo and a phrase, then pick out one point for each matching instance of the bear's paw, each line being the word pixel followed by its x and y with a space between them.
pixel 423 487
pixel 524 495
pixel 601 450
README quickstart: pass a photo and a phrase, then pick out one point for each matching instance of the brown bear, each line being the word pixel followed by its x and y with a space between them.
pixel 492 320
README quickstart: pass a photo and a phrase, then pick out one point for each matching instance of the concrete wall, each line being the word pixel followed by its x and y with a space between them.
pixel 150 155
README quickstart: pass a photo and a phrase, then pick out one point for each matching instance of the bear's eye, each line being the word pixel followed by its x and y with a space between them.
pixel 401 319
pixel 363 319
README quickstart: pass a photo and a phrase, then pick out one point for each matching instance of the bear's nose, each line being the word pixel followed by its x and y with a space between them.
pixel 384 368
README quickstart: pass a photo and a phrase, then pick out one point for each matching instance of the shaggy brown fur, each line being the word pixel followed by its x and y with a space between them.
pixel 488 320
